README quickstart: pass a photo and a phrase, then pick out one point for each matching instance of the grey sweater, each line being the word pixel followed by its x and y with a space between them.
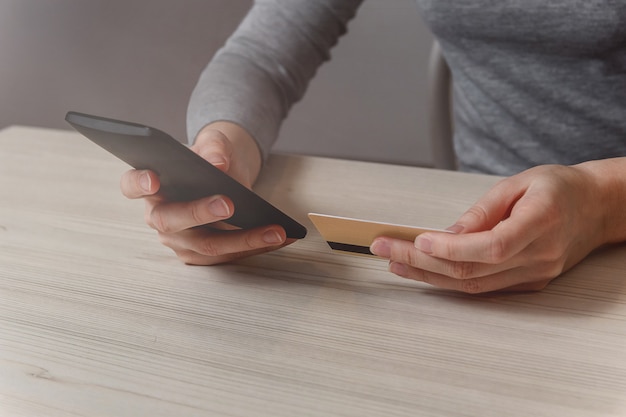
pixel 535 81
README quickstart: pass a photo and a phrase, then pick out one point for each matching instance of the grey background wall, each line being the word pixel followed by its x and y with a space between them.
pixel 139 60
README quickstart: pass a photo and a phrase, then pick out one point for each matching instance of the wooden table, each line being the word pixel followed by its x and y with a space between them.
pixel 98 319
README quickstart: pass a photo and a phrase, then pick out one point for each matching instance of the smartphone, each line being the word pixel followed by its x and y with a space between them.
pixel 184 176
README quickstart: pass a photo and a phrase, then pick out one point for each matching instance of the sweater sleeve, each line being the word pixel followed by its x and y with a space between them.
pixel 266 65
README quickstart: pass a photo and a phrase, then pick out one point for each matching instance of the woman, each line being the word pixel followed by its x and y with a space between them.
pixel 539 96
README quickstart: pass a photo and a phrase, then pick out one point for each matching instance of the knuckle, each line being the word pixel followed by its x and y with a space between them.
pixel 421 275
pixel 209 248
pixel 477 212
pixel 196 214
pixel 551 269
pixel 498 249
pixel 552 255
pixel 549 260
pixel 463 270
pixel 221 142
pixel 444 250
pixel 158 222
pixel 211 142
pixel 190 257
pixel 409 256
pixel 471 286
pixel 447 249
pixel 250 241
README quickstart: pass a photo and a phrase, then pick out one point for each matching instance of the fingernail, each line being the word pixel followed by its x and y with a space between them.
pixel 145 182
pixel 456 228
pixel 380 248
pixel 216 160
pixel 219 208
pixel 424 244
pixel 272 237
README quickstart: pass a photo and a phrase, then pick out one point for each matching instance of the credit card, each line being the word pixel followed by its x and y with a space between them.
pixel 355 236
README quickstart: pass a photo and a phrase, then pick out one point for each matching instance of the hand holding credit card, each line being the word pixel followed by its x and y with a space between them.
pixel 355 236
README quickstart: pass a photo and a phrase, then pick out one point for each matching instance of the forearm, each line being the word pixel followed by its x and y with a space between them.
pixel 608 177
pixel 266 65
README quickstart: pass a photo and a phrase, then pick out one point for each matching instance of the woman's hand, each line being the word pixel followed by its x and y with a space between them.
pixel 193 230
pixel 523 233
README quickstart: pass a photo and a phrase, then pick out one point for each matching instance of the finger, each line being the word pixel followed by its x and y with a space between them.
pixel 193 258
pixel 209 246
pixel 214 146
pixel 177 216
pixel 490 209
pixel 139 183
pixel 511 280
pixel 404 252
pixel 507 239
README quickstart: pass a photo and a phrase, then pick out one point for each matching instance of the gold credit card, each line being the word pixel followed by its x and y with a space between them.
pixel 355 235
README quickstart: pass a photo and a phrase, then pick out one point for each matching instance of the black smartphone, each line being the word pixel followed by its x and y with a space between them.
pixel 184 175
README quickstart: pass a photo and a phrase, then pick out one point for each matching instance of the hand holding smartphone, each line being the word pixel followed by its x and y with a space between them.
pixel 184 176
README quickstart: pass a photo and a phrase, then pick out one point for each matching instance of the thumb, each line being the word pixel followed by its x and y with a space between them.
pixel 490 209
pixel 214 146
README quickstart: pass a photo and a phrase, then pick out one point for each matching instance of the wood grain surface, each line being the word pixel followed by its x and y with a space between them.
pixel 98 319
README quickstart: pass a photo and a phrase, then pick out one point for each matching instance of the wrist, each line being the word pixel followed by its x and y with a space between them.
pixel 608 179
